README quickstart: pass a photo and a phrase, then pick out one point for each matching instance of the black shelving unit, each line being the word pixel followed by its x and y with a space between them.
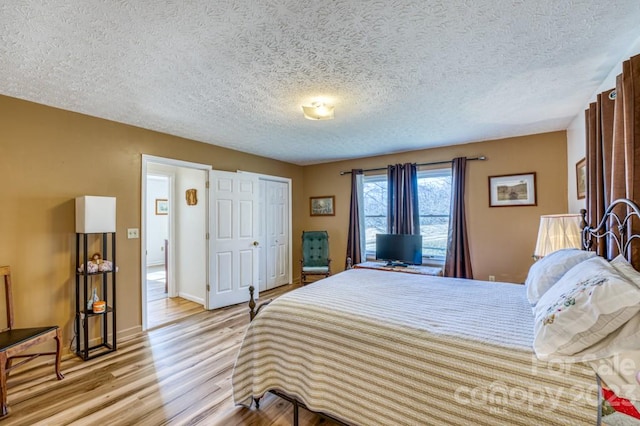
pixel 89 326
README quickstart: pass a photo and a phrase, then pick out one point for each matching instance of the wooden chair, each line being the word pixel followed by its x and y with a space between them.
pixel 315 254
pixel 14 341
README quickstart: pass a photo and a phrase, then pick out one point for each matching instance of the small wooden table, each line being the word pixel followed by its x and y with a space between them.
pixel 411 269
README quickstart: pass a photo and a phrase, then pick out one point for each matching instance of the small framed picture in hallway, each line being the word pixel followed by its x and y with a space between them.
pixel 162 206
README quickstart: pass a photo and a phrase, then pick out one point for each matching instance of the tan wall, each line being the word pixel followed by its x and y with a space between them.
pixel 50 156
pixel 501 239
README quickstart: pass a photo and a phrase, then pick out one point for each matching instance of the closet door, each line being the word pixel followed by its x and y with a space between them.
pixel 262 236
pixel 277 233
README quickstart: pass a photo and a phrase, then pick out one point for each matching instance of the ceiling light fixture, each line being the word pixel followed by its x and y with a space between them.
pixel 318 111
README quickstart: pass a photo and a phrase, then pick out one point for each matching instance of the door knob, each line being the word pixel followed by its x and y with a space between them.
pixel 256 244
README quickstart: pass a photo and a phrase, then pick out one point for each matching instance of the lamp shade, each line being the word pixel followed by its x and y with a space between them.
pixel 95 214
pixel 556 232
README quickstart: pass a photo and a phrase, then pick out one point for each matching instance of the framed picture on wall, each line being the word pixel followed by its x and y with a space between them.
pixel 581 178
pixel 512 190
pixel 322 206
pixel 162 206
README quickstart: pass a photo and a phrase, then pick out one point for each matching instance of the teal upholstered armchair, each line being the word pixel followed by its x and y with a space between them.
pixel 315 254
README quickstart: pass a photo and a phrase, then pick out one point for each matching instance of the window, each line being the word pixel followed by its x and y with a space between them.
pixel 434 197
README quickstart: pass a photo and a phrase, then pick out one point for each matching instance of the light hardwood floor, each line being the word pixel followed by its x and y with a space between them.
pixel 170 309
pixel 178 374
pixel 161 309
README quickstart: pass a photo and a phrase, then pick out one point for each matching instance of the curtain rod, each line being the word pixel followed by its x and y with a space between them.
pixel 482 158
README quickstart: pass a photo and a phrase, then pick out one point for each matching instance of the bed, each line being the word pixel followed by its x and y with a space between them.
pixel 367 347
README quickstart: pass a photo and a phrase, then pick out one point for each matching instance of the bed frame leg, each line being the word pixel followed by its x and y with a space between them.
pixel 295 413
pixel 257 402
pixel 252 304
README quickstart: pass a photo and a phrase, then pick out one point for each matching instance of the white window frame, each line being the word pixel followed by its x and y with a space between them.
pixel 427 260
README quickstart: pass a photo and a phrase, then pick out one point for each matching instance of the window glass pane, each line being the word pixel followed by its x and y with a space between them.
pixel 434 236
pixel 434 197
pixel 374 190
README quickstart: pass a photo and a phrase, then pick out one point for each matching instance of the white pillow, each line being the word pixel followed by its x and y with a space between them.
pixel 625 269
pixel 547 271
pixel 588 303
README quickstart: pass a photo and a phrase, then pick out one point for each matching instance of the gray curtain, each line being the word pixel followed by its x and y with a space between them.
pixel 354 237
pixel 403 216
pixel 613 151
pixel 458 259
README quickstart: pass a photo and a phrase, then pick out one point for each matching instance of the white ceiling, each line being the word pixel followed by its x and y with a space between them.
pixel 403 74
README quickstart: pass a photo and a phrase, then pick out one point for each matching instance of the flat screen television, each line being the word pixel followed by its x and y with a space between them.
pixel 399 249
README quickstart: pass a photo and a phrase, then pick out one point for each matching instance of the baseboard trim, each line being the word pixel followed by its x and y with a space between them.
pixel 187 296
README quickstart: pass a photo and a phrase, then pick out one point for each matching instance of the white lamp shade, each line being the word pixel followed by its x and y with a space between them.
pixel 95 214
pixel 556 232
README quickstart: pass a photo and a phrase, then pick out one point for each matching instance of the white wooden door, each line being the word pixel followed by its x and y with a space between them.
pixel 270 234
pixel 280 205
pixel 233 258
pixel 262 237
pixel 277 230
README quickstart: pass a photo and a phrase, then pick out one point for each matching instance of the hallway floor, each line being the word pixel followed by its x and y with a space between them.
pixel 162 310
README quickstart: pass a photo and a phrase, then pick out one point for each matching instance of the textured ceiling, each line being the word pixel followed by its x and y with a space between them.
pixel 403 74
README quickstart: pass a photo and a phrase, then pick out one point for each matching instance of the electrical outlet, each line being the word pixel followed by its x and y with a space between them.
pixel 492 277
pixel 133 233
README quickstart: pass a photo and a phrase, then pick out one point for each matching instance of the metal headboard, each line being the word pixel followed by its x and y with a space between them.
pixel 618 228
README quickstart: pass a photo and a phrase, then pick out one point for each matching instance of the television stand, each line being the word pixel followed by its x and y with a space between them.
pixel 409 269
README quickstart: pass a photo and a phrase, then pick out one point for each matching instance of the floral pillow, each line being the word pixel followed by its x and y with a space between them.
pixel 588 303
pixel 625 269
pixel 547 271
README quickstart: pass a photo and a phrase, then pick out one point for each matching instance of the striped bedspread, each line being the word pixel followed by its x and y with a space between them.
pixel 377 348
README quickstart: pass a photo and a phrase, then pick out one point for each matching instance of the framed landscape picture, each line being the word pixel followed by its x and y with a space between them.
pixel 322 206
pixel 581 178
pixel 512 190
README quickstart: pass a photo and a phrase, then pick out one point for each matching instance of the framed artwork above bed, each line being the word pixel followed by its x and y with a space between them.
pixel 512 190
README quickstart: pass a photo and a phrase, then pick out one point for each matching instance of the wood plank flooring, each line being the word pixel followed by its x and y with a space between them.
pixel 170 309
pixel 161 309
pixel 178 374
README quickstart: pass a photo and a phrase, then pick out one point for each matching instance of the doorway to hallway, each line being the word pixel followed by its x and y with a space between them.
pixel 161 309
pixel 174 270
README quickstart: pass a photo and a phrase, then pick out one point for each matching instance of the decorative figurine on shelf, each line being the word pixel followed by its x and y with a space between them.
pixel 94 298
pixel 97 264
pixel 105 266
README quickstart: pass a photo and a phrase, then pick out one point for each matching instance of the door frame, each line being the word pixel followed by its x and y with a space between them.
pixel 290 224
pixel 146 158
